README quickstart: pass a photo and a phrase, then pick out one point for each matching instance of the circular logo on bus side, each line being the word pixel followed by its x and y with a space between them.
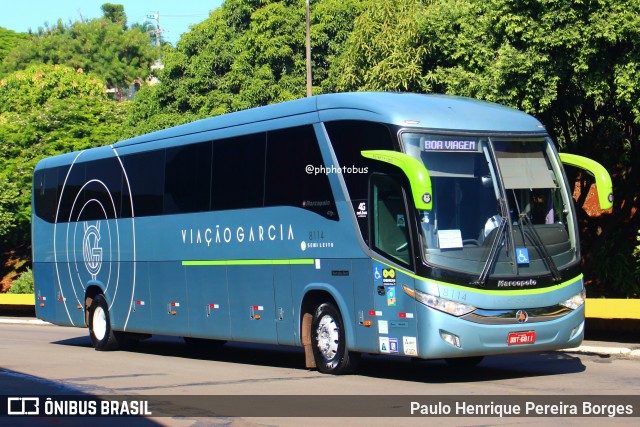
pixel 91 250
pixel 94 223
pixel 426 197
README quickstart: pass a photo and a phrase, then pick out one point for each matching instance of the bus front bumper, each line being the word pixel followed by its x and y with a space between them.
pixel 446 336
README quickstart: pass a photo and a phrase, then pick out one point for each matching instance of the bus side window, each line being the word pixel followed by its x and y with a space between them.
pixel 188 178
pixel 46 194
pixel 389 220
pixel 145 172
pixel 349 139
pixel 287 182
pixel 237 172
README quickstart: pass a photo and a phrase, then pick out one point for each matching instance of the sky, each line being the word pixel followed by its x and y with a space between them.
pixel 175 15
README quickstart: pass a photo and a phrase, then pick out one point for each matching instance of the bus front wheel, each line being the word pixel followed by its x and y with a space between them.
pixel 103 337
pixel 328 342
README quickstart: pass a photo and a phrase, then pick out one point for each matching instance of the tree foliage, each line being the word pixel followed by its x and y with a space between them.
pixel 385 51
pixel 115 13
pixel 8 40
pixel 47 110
pixel 250 53
pixel 100 46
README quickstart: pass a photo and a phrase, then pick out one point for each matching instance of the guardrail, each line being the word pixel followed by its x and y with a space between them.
pixel 17 299
pixel 596 308
pixel 610 308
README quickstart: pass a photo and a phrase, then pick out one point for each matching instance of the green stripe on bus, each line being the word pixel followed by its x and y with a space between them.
pixel 301 261
pixel 488 292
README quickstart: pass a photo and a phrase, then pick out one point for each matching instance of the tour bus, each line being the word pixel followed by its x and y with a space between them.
pixel 425 226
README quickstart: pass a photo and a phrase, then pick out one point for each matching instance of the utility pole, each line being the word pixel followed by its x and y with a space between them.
pixel 158 30
pixel 308 49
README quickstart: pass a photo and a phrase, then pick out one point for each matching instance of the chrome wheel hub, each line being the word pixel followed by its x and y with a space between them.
pixel 328 337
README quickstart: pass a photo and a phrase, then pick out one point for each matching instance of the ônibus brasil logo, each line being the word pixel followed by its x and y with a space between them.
pixel 91 250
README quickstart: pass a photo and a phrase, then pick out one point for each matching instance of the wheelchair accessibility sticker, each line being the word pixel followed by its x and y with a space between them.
pixel 522 254
pixel 377 273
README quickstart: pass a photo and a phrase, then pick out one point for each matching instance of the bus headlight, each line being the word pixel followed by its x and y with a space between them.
pixel 451 307
pixel 575 301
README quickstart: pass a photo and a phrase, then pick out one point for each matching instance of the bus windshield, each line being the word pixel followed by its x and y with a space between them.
pixel 499 205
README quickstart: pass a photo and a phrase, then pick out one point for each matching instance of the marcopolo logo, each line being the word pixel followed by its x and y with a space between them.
pixel 517 283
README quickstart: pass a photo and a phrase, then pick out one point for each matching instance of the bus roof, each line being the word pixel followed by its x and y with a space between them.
pixel 435 112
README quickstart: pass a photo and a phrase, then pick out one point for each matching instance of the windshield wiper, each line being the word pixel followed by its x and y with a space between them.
pixel 493 253
pixel 534 238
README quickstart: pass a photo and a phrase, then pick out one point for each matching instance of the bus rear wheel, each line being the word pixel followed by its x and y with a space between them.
pixel 328 342
pixel 103 337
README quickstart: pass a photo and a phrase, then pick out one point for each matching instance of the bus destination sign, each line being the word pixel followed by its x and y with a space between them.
pixel 450 145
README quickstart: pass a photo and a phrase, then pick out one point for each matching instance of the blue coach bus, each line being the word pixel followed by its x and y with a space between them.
pixel 425 226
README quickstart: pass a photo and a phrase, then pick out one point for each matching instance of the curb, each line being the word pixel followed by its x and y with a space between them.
pixel 23 321
pixel 603 351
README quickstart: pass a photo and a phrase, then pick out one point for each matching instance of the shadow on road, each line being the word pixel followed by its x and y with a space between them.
pixel 377 366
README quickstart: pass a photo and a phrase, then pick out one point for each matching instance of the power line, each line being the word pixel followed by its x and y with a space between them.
pixel 194 15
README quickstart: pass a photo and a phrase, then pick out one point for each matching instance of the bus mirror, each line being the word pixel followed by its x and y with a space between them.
pixel 602 177
pixel 413 169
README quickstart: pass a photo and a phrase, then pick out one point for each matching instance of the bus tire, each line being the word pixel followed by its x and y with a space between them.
pixel 328 342
pixel 464 362
pixel 103 337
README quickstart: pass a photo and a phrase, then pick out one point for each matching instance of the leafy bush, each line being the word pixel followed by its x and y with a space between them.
pixel 23 284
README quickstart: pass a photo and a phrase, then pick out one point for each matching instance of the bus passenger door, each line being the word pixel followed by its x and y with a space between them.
pixel 390 237
pixel 253 314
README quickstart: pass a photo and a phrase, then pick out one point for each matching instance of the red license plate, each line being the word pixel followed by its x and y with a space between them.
pixel 515 338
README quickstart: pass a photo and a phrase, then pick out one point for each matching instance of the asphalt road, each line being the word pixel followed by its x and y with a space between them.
pixel 51 360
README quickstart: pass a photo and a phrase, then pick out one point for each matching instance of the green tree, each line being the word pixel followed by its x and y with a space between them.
pixel 47 110
pixel 146 115
pixel 385 51
pixel 248 53
pixel 100 46
pixel 8 41
pixel 8 207
pixel 115 13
